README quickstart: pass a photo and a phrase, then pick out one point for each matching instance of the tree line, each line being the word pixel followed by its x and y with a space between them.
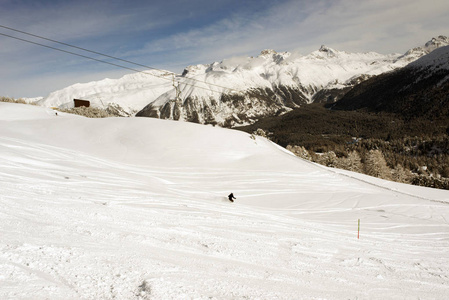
pixel 379 144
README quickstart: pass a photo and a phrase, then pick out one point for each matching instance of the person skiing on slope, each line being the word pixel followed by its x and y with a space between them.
pixel 231 197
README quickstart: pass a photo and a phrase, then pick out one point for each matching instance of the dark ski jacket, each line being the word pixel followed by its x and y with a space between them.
pixel 231 196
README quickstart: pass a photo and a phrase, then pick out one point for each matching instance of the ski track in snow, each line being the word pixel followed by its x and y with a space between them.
pixel 80 226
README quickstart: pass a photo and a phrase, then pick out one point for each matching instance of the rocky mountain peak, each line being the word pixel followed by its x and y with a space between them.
pixel 428 47
pixel 434 43
pixel 277 57
pixel 267 52
pixel 329 52
pixel 324 48
pixel 194 69
pixel 436 60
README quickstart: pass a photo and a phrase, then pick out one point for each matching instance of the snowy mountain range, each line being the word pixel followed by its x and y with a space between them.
pixel 240 90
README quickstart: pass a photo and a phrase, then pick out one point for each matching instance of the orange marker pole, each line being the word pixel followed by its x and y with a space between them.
pixel 358 231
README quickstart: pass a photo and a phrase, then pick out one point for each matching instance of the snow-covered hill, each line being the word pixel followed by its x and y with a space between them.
pixel 435 43
pixel 437 60
pixel 136 208
pixel 241 89
pixel 131 92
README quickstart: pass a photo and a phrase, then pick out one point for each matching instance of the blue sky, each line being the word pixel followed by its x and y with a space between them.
pixel 172 34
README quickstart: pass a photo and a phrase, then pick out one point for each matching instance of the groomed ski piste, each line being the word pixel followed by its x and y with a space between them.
pixel 136 208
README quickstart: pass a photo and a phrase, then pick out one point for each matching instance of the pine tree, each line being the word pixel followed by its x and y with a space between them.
pixel 353 162
pixel 401 175
pixel 375 165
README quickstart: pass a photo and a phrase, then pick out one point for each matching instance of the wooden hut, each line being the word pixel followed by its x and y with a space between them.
pixel 79 103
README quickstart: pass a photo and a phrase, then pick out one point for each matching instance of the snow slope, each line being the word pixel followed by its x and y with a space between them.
pixel 438 59
pixel 136 208
pixel 131 92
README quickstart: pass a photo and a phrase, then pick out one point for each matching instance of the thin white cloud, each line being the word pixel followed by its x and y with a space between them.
pixel 35 86
pixel 382 26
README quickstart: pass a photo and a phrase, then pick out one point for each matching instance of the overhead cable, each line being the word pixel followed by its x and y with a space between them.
pixel 109 56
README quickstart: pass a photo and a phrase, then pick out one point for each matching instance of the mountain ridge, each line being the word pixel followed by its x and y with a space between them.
pixel 418 90
pixel 240 90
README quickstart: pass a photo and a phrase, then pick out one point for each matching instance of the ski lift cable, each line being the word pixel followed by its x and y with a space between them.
pixel 116 65
pixel 109 56
pixel 73 53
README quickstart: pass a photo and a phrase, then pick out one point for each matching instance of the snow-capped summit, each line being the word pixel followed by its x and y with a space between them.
pixel 438 59
pixel 329 51
pixel 438 42
pixel 415 53
pixel 275 56
pixel 267 53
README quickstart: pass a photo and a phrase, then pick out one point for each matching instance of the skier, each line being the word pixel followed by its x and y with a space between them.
pixel 231 197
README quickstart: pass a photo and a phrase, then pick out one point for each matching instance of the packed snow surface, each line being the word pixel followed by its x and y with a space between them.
pixel 136 208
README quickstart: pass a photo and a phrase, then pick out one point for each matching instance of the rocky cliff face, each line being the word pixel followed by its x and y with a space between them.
pixel 226 110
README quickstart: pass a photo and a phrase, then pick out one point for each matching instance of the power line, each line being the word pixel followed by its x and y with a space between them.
pixel 80 48
pixel 109 56
pixel 80 55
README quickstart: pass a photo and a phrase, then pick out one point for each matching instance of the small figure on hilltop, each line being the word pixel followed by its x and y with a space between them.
pixel 231 197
